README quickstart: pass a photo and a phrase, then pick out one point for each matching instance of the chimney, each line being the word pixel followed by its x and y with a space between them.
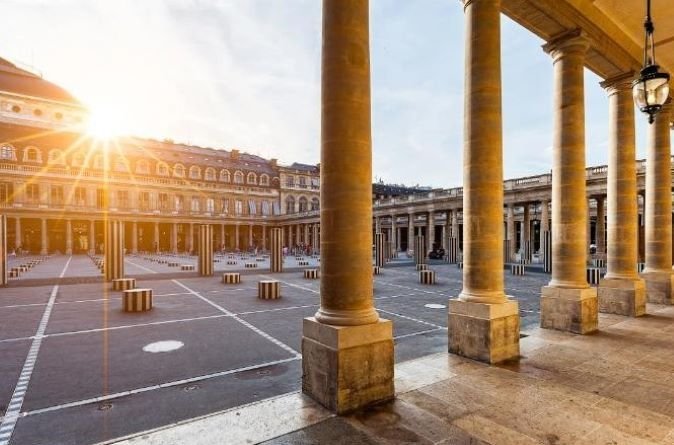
pixel 273 162
pixel 234 154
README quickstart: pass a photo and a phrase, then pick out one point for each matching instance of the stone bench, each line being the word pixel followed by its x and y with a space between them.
pixel 268 290
pixel 593 275
pixel 303 263
pixel 311 274
pixel 137 300
pixel 427 276
pixel 250 265
pixel 517 269
pixel 231 278
pixel 422 266
pixel 123 283
pixel 376 270
pixel 187 267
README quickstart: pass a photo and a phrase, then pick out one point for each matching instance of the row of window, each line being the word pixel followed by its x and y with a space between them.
pixel 303 205
pixel 142 166
pixel 301 181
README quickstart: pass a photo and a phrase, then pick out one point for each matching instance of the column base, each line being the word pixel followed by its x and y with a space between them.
pixel 69 251
pixel 569 309
pixel 345 368
pixel 659 286
pixel 44 252
pixel 489 333
pixel 622 296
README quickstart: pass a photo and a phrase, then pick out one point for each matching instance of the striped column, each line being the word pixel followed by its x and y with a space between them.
pixel 506 251
pixel 276 253
pixel 419 250
pixel 379 254
pixel 453 250
pixel 205 250
pixel 3 250
pixel 114 250
pixel 547 251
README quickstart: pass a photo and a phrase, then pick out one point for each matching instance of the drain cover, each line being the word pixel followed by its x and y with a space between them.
pixel 104 406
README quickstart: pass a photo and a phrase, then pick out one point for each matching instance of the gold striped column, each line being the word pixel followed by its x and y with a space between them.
pixel 621 291
pixel 268 290
pixel 3 250
pixel 276 253
pixel 205 250
pixel 419 250
pixel 483 323
pixel 347 350
pixel 658 211
pixel 114 250
pixel 379 254
pixel 137 300
pixel 568 303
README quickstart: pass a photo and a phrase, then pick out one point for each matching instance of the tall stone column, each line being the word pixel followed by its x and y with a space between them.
pixel 658 270
pixel 394 233
pixel 430 231
pixel 3 251
pixel 600 227
pixel 483 323
pixel 525 238
pixel 306 234
pixel 18 239
pixel 92 237
pixel 347 350
pixel 377 224
pixel 455 224
pixel 236 236
pixel 69 237
pixel 410 231
pixel 264 237
pixel 190 238
pixel 512 236
pixel 174 237
pixel 134 237
pixel 156 237
pixel 43 237
pixel 621 291
pixel 250 235
pixel 545 222
pixel 298 234
pixel 568 303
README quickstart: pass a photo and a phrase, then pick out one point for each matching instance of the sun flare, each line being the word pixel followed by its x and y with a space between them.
pixel 104 123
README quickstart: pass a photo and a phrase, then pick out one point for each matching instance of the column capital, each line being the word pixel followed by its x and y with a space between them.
pixel 619 83
pixel 567 43
pixel 467 3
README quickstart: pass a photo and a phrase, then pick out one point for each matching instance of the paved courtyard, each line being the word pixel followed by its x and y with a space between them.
pixel 75 367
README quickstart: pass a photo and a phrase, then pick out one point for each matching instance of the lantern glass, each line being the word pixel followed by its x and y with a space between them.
pixel 651 91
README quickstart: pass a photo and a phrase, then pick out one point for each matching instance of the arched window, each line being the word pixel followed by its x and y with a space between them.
pixel 264 179
pixel 251 178
pixel 304 204
pixel 56 157
pixel 290 204
pixel 179 171
pixel 142 167
pixel 7 152
pixel 315 204
pixel 225 176
pixel 195 172
pixel 238 177
pixel 209 174
pixel 162 169
pixel 77 160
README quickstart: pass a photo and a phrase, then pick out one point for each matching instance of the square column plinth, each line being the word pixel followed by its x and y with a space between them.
pixel 622 297
pixel 489 333
pixel 569 309
pixel 659 287
pixel 345 368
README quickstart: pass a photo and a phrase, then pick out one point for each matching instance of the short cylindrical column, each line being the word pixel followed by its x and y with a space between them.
pixel 658 209
pixel 621 291
pixel 379 256
pixel 205 263
pixel 568 303
pixel 114 250
pixel 276 250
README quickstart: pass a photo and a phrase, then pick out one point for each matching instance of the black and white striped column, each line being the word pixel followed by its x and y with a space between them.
pixel 525 253
pixel 506 251
pixel 453 251
pixel 114 250
pixel 379 253
pixel 3 250
pixel 547 251
pixel 419 250
pixel 276 251
pixel 205 250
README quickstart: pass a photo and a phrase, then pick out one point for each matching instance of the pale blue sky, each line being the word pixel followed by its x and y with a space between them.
pixel 245 74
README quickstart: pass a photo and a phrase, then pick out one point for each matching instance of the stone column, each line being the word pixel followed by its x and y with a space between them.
pixel 205 251
pixel 156 237
pixel 394 233
pixel 174 237
pixel 69 237
pixel 455 224
pixel 512 235
pixel 236 236
pixel 347 350
pixel 410 231
pixel 276 251
pixel 134 237
pixel 222 237
pixel 658 270
pixel 483 323
pixel 377 224
pixel 315 243
pixel 568 303
pixel 264 237
pixel 525 236
pixel 430 231
pixel 3 251
pixel 114 250
pixel 545 222
pixel 306 234
pixel 18 239
pixel 92 237
pixel 600 227
pixel 189 238
pixel 250 235
pixel 43 237
pixel 621 291
pixel 298 235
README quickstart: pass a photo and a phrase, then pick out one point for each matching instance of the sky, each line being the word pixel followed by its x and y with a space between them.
pixel 246 74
